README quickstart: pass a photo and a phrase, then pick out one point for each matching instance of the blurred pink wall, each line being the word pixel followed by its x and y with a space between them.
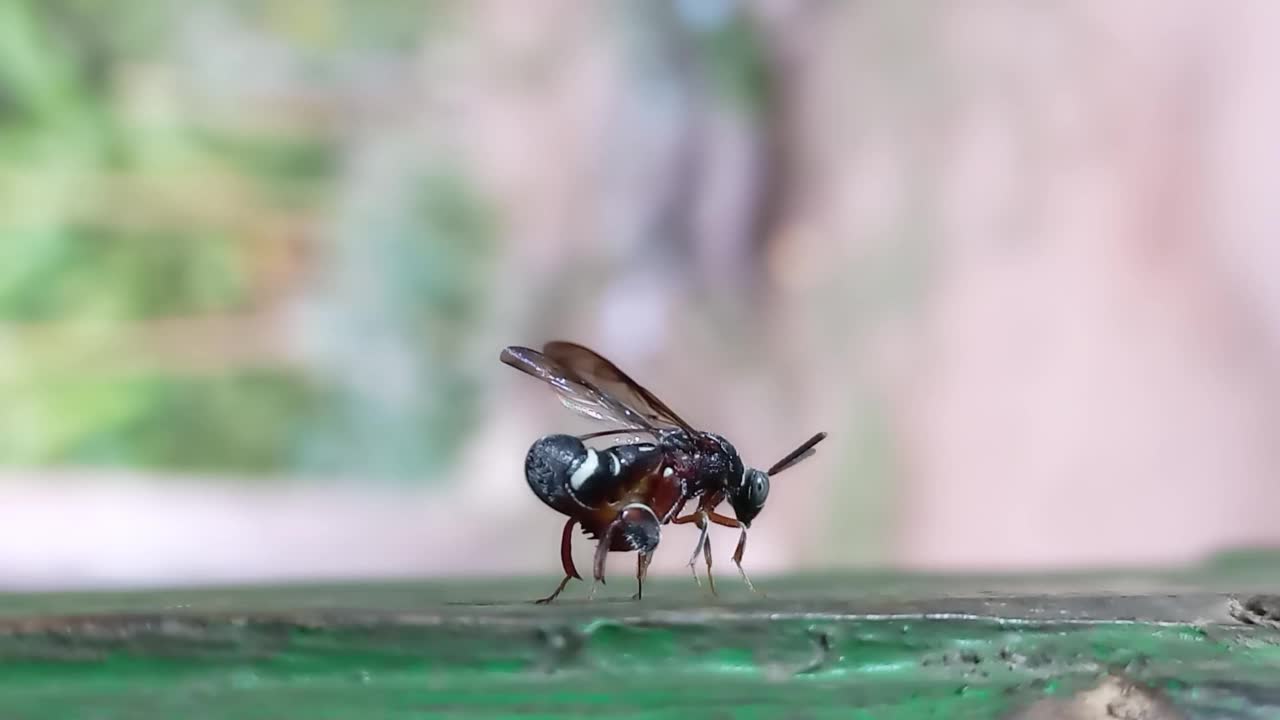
pixel 1021 265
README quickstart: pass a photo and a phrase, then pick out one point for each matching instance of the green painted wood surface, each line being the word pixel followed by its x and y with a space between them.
pixel 868 646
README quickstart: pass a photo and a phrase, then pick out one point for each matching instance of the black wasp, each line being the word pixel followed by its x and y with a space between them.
pixel 624 494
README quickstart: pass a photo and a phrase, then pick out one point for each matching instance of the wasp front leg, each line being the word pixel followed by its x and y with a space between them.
pixel 719 519
pixel 635 528
pixel 737 560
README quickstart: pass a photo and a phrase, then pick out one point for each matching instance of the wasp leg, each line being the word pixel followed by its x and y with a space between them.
pixel 697 549
pixel 719 519
pixel 559 589
pixel 706 553
pixel 602 552
pixel 693 517
pixel 642 569
pixel 703 546
pixel 566 560
pixel 566 550
pixel 636 528
pixel 737 560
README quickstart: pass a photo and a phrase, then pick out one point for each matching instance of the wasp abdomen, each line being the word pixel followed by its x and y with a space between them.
pixel 548 466
pixel 569 476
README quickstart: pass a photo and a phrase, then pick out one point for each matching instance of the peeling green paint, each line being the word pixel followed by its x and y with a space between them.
pixel 416 651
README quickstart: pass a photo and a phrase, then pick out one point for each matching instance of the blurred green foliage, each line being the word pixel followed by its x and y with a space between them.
pixel 122 206
pixel 246 420
pixel 98 269
pixel 735 59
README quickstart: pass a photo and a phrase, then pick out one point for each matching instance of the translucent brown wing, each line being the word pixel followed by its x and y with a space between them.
pixel 574 393
pixel 591 369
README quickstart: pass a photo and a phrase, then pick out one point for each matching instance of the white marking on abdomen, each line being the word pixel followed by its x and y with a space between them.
pixel 615 466
pixel 585 470
pixel 640 506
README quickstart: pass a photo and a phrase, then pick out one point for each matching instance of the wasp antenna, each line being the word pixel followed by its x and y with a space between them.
pixel 795 456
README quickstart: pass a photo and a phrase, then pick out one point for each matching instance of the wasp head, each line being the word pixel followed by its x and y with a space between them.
pixel 747 496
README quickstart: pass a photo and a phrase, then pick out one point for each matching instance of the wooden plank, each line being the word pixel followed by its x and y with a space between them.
pixel 873 646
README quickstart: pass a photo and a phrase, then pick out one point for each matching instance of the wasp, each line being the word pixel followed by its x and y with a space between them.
pixel 622 495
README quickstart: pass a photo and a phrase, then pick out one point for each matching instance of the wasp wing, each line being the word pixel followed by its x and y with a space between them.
pixel 591 369
pixel 574 393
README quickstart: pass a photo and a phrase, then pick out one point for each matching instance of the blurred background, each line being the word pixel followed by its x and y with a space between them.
pixel 258 259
